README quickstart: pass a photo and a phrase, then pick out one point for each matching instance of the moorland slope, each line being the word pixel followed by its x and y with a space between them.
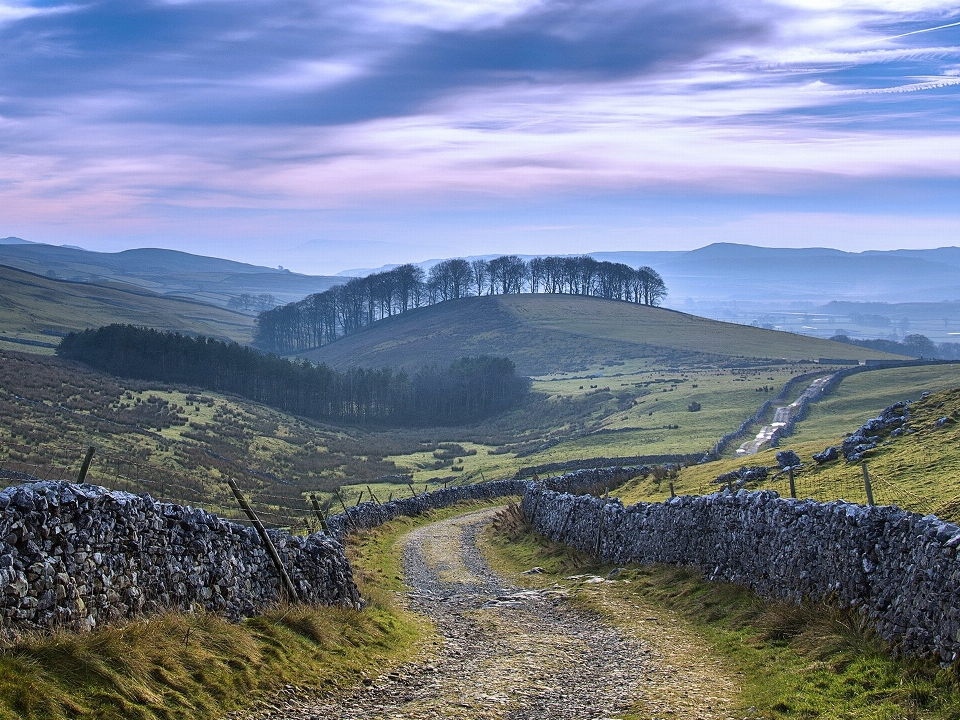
pixel 39 310
pixel 207 279
pixel 548 333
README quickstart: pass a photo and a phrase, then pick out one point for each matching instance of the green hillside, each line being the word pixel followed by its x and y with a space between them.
pixel 36 310
pixel 919 470
pixel 546 334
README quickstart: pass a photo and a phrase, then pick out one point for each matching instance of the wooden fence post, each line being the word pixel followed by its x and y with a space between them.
pixel 343 504
pixel 673 493
pixel 271 548
pixel 793 488
pixel 319 514
pixel 340 498
pixel 866 484
pixel 86 465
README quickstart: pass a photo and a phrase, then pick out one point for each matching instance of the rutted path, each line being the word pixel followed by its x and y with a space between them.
pixel 506 652
pixel 781 417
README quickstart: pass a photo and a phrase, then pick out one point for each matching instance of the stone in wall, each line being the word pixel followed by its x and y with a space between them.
pixel 898 569
pixel 75 556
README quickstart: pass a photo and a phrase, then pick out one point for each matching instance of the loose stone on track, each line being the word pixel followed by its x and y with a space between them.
pixel 514 653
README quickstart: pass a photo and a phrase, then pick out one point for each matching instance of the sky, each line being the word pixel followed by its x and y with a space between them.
pixel 328 135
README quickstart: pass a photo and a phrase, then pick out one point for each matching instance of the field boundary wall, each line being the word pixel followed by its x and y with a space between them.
pixel 77 555
pixel 898 569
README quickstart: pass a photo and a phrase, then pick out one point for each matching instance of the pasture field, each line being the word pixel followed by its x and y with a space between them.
pixel 181 444
pixel 862 396
pixel 621 415
pixel 919 471
pixel 552 335
pixel 175 443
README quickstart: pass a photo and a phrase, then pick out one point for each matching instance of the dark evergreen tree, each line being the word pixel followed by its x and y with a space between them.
pixel 469 389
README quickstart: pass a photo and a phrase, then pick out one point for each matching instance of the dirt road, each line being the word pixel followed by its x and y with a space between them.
pixel 511 653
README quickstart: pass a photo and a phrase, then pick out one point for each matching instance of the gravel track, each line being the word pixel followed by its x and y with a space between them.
pixel 513 653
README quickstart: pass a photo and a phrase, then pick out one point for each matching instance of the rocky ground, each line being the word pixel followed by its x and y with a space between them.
pixel 514 653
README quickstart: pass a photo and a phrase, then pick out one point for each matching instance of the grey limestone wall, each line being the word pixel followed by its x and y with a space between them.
pixel 899 569
pixel 370 515
pixel 77 555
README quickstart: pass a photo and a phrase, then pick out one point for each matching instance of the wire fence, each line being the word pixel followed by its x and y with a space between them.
pixel 21 464
pixel 853 484
pixel 294 511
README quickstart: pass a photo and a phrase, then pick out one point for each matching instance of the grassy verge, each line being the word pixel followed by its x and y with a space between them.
pixel 196 666
pixel 201 666
pixel 791 662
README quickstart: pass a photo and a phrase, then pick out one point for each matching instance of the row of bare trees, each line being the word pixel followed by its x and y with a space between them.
pixel 323 317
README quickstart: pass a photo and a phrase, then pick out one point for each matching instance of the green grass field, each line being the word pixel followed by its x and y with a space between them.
pixel 552 335
pixel 918 471
pixel 181 445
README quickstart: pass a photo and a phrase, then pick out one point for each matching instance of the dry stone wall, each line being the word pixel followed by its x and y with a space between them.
pixel 369 515
pixel 77 555
pixel 899 569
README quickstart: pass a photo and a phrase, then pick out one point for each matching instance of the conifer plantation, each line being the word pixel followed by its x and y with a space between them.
pixel 466 390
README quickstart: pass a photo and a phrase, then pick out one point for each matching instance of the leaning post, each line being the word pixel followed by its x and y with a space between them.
pixel 86 465
pixel 262 532
pixel 319 513
pixel 866 484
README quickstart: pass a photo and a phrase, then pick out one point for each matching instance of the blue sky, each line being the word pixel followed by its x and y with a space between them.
pixel 329 135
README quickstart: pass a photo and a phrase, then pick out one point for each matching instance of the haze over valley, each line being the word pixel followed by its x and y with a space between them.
pixel 514 359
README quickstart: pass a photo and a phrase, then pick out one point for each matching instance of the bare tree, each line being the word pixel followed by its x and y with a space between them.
pixel 409 280
pixel 536 273
pixel 649 286
pixel 481 273
pixel 507 273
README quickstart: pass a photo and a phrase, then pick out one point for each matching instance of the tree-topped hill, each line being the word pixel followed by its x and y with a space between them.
pixel 548 333
pixel 323 317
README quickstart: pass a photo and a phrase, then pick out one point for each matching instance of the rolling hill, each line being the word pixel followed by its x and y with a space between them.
pixel 167 272
pixel 36 310
pixel 545 334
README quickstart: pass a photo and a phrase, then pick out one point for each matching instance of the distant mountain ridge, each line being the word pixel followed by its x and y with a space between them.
pixel 735 272
pixel 780 288
pixel 167 272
